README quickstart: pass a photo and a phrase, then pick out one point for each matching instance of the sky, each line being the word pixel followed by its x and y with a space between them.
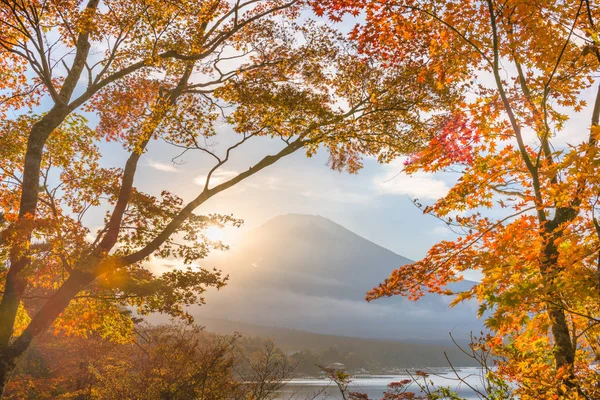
pixel 376 203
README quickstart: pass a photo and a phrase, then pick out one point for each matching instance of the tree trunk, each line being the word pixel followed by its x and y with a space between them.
pixel 6 367
pixel 8 358
pixel 564 348
pixel 15 281
pixel 40 323
pixel 564 352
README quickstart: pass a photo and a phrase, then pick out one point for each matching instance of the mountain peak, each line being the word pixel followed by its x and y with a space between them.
pixel 307 272
pixel 299 216
pixel 308 251
pixel 300 220
pixel 307 227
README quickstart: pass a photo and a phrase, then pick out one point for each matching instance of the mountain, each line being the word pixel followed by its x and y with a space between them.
pixel 307 272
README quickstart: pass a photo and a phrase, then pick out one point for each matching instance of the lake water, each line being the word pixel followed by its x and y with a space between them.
pixel 374 386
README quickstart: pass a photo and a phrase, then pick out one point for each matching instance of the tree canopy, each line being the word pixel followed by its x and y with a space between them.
pixel 491 91
pixel 525 204
pixel 79 77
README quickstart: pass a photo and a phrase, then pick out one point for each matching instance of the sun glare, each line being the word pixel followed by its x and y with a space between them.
pixel 214 233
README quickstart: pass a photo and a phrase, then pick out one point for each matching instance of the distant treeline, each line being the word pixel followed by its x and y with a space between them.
pixel 375 355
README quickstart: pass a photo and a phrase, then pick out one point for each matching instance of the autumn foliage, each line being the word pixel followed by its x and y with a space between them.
pixel 492 91
pixel 522 140
pixel 176 362
pixel 86 90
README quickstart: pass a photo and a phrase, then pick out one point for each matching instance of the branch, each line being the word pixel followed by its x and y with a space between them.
pixel 511 116
pixel 206 194
pixel 83 48
pixel 113 228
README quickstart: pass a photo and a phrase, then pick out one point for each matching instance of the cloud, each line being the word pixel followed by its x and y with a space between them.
pixel 339 196
pixel 311 188
pixel 323 314
pixel 159 266
pixel 420 185
pixel 90 237
pixel 162 166
pixel 441 231
pixel 217 177
pixel 273 183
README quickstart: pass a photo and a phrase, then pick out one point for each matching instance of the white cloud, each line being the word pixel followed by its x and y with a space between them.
pixel 159 266
pixel 162 166
pixel 420 185
pixel 441 231
pixel 270 306
pixel 338 195
pixel 273 183
pixel 90 237
pixel 217 177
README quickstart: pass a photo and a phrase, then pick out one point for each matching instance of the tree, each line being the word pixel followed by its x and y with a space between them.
pixel 263 371
pixel 398 390
pixel 176 361
pixel 526 202
pixel 143 71
pixel 171 362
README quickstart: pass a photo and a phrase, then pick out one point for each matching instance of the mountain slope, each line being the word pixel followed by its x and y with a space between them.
pixel 307 272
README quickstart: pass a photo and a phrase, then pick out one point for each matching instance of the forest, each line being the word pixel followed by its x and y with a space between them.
pixel 497 99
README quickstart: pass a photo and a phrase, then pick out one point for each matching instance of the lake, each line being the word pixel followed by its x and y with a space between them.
pixel 374 386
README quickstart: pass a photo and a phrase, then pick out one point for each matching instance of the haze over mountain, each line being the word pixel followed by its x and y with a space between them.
pixel 382 354
pixel 307 272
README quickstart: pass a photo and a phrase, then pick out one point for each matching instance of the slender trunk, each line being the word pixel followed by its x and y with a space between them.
pixel 564 348
pixel 40 323
pixel 8 358
pixel 16 282
pixel 564 352
pixel 7 365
